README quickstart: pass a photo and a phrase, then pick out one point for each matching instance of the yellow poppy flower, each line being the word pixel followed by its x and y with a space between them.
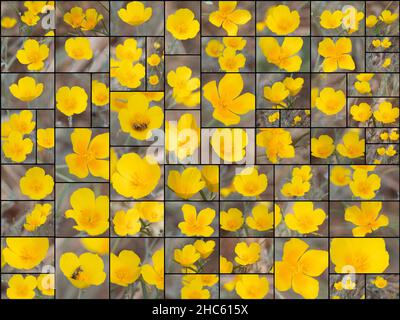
pixel 297 187
pixel 362 87
pixel 381 151
pixel 331 20
pixel 46 284
pixel 384 136
pixel 25 253
pixel 364 186
pixel 225 266
pixel 72 100
pixel 274 117
pixel 186 256
pixel 352 147
pixel 322 147
pixel 8 22
pixel 135 13
pixel 150 210
pixel 127 223
pixel 100 93
pixel 366 218
pixel 194 290
pixel 45 138
pixel 196 225
pixel 207 280
pixel 281 20
pixel 304 218
pixel 247 253
pixel 88 155
pixel 340 176
pixel 35 7
pixel 29 18
pixel 97 245
pixel 78 48
pixel 154 80
pixel 388 17
pixel 16 147
pixel 154 60
pixel 252 286
pixel 231 220
pixel 214 48
pixel 210 175
pixel 129 75
pixel 277 93
pixel 184 86
pixel 186 184
pixel 299 268
pixel 90 213
pixel 205 248
pixel 74 17
pixel 361 112
pixel 260 219
pixel 154 274
pixel 394 136
pixel 380 282
pixel 359 255
pixel 390 151
pixel 92 18
pixel 33 54
pixel 229 144
pixel 125 268
pixel 237 43
pixel 83 271
pixel 336 54
pixel 249 183
pixel 183 24
pixel 371 21
pixel 386 113
pixel 135 177
pixel 228 102
pixel 386 43
pixel 277 143
pixel 330 102
pixel 128 51
pixel 229 61
pixel 376 43
pixel 37 217
pixel 20 122
pixel 283 56
pixel 228 17
pixel 293 85
pixel 36 184
pixel 20 287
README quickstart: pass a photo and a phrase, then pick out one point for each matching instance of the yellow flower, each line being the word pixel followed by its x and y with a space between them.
pixel 127 223
pixel 33 54
pixel 364 186
pixel 351 19
pixel 88 155
pixel 260 219
pixel 45 138
pixel 388 17
pixel 229 61
pixel 228 17
pixel 90 213
pixel 205 248
pixel 183 86
pixel 135 13
pixel 340 176
pixel 154 80
pixel 336 54
pixel 186 256
pixel 232 220
pixel 359 255
pixel 277 93
pixel 154 60
pixel 8 22
pixel 154 274
pixel 78 48
pixel 384 136
pixel 391 151
pixel 25 253
pixel 277 143
pixel 299 267
pixel 277 215
pixel 352 147
pixel 381 151
pixel 361 112
pixel 314 96
pixel 274 117
pixel 20 287
pixel 394 136
pixel 304 218
pixel 386 43
pixel 252 286
pixel 92 18
pixel 135 177
pixel 16 147
pixel 380 282
pixel 35 7
pixel 100 93
pixel 284 57
pixel 281 21
pixel 150 210
pixel 214 48
pixel 386 113
pixel 366 218
pixel 36 184
pixel 182 24
pixel 182 138
pixel 128 51
pixel 362 87
pixel 237 43
pixel 225 266
pixel 330 102
pixel 230 285
pixel 74 17
pixel 387 62
pixel 299 184
pixel 125 268
pixel 20 122
pixel 371 21
pixel 376 43
pixel 349 284
pixel 229 144
pixel 196 225
pixel 322 147
pixel 46 284
pixel 83 271
pixel 249 183
pixel 194 290
pixel 29 18
pixel 207 280
pixel 331 20
pixel 210 175
pixel 37 217
pixel 247 254
pixel 293 85
pixel 338 286
pixel 72 100
pixel 228 102
pixel 185 184
pixel 97 245
pixel 138 119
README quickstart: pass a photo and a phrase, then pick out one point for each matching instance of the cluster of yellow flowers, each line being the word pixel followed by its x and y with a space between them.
pixel 226 52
